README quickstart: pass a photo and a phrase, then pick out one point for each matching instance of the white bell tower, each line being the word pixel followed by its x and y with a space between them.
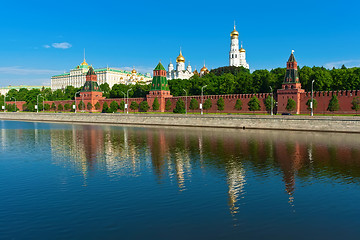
pixel 234 54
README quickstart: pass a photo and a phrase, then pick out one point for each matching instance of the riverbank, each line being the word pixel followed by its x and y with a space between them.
pixel 347 124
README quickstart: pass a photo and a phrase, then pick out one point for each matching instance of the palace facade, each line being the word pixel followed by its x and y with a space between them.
pixel 77 77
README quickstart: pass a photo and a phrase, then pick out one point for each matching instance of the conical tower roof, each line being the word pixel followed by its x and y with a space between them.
pixel 159 82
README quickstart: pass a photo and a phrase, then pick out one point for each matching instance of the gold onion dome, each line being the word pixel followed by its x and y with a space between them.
pixel 180 58
pixel 84 63
pixel 234 33
pixel 204 69
pixel 242 49
pixel 133 71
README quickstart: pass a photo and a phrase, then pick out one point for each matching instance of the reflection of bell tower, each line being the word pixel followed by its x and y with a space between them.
pixel 291 87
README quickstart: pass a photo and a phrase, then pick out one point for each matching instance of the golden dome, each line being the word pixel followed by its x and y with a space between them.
pixel 180 58
pixel 242 50
pixel 133 71
pixel 204 69
pixel 84 63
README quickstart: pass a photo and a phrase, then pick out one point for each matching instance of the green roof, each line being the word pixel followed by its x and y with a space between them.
pixel 91 71
pixel 160 67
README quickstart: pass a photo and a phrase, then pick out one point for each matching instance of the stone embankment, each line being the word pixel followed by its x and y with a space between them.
pixel 349 124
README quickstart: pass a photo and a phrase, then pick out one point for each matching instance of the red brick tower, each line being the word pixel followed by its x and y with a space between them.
pixel 90 93
pixel 159 88
pixel 291 87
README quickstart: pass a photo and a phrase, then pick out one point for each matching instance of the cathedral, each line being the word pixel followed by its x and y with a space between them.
pixel 237 57
pixel 181 72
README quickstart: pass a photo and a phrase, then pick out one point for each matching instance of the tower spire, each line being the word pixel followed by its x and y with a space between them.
pixel 234 25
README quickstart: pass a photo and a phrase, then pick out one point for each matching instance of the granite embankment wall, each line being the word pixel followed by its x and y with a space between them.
pixel 297 123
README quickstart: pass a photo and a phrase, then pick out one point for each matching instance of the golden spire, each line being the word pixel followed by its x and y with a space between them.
pixel 234 33
pixel 84 62
pixel 180 58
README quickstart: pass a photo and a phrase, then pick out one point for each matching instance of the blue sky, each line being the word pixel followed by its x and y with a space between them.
pixel 43 38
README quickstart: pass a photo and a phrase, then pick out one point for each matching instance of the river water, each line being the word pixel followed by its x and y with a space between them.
pixel 63 181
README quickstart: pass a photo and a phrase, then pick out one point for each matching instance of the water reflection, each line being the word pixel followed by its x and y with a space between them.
pixel 173 154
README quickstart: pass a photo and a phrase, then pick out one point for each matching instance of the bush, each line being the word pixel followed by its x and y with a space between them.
pixel 268 103
pixel 144 106
pixel 114 106
pixel 47 107
pixel 60 107
pixel 156 104
pixel 291 105
pixel 238 105
pixel 180 107
pixel 207 104
pixel 220 104
pixel 89 106
pixel 122 105
pixel 105 108
pixel 134 105
pixel 355 104
pixel 194 104
pixel 67 106
pixel 168 105
pixel 81 105
pixel 314 104
pixel 53 106
pixel 97 106
pixel 333 104
pixel 254 104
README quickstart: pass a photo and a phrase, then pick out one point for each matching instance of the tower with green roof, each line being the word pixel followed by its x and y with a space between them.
pixel 159 87
pixel 90 92
pixel 291 87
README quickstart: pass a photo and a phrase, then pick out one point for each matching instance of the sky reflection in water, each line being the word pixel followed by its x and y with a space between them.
pixel 89 181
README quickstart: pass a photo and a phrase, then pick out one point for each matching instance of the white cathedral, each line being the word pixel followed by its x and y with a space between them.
pixel 237 57
pixel 181 72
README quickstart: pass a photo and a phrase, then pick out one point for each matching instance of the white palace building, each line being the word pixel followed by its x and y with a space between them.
pixel 77 77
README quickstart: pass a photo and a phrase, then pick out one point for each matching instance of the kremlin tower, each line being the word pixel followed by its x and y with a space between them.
pixel 237 58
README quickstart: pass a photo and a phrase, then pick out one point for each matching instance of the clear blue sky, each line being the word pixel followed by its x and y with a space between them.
pixel 42 38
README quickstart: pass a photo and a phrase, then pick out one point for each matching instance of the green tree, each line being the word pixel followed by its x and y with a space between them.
pixel 97 106
pixel 122 105
pixel 60 107
pixel 220 104
pixel 105 88
pixel 291 105
pixel 53 106
pixel 180 107
pixel 207 104
pixel 309 102
pixel 81 105
pixel 114 106
pixel 156 104
pixel 89 106
pixel 168 105
pixel 194 104
pixel 333 104
pixel 67 106
pixel 238 104
pixel 47 107
pixel 355 104
pixel 268 101
pixel 254 104
pixel 144 106
pixel 105 108
pixel 134 105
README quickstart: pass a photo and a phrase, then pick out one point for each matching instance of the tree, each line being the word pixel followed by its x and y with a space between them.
pixel 114 106
pixel 194 104
pixel 268 101
pixel 105 108
pixel 97 106
pixel 309 102
pixel 180 107
pixel 168 105
pixel 60 107
pixel 238 105
pixel 144 106
pixel 220 104
pixel 207 104
pixel 53 106
pixel 81 105
pixel 156 104
pixel 291 105
pixel 105 88
pixel 46 107
pixel 122 105
pixel 89 106
pixel 355 104
pixel 333 104
pixel 134 105
pixel 254 104
pixel 67 106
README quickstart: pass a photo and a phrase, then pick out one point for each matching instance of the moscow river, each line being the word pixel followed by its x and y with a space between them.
pixel 63 181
